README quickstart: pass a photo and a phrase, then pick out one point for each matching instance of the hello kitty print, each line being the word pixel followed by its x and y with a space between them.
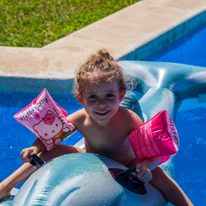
pixel 52 130
pixel 46 120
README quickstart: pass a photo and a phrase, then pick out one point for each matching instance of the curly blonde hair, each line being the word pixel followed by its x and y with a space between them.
pixel 97 68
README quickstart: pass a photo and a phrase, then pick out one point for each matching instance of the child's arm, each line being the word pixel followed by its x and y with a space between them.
pixel 36 148
pixel 144 169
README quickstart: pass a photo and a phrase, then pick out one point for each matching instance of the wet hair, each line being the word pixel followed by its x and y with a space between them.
pixel 99 67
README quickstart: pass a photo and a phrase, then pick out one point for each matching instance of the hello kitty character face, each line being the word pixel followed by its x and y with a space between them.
pixel 49 126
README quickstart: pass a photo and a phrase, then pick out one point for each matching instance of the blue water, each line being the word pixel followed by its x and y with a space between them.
pixel 190 162
pixel 190 49
pixel 14 137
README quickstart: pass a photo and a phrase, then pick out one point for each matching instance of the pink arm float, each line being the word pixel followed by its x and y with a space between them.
pixel 157 137
pixel 44 118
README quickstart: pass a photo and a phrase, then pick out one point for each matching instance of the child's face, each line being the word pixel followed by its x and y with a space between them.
pixel 101 101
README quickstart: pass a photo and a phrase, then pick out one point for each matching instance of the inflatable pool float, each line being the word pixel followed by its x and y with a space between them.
pixel 80 179
pixel 88 179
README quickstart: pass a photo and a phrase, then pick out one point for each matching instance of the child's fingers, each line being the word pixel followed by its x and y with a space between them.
pixel 143 174
pixel 138 168
pixel 24 157
pixel 139 175
pixel 146 179
pixel 25 154
pixel 140 172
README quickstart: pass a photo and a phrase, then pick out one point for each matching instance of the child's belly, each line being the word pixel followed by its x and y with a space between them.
pixel 123 154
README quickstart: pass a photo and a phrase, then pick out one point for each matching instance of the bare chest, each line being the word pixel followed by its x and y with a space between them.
pixel 105 140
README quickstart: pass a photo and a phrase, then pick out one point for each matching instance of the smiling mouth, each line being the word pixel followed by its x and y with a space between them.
pixel 102 113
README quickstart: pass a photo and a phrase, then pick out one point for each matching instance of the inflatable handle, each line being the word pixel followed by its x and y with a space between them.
pixel 36 160
pixel 125 173
pixel 128 172
pixel 129 181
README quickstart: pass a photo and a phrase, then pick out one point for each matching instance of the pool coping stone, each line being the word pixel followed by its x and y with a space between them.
pixel 130 34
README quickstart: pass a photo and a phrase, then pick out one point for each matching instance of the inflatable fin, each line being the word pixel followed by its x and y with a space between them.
pixel 129 181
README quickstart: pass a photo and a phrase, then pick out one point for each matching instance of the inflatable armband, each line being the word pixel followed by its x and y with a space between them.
pixel 46 120
pixel 157 137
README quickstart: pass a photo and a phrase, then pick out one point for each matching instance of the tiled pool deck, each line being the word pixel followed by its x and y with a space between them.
pixel 132 33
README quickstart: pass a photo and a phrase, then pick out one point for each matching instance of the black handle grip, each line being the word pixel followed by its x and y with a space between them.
pixel 128 180
pixel 36 160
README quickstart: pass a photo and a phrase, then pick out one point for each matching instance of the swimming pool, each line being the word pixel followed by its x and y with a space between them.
pixel 14 136
pixel 190 49
pixel 190 163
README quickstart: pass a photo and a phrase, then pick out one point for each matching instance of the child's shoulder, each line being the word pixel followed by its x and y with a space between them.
pixel 77 116
pixel 127 112
pixel 131 117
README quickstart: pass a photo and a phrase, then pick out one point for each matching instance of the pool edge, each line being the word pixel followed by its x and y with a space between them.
pixel 32 69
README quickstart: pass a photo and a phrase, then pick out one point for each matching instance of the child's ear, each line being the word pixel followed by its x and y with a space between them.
pixel 79 98
pixel 122 94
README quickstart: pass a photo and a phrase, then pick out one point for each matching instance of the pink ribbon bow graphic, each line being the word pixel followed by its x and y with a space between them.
pixel 48 119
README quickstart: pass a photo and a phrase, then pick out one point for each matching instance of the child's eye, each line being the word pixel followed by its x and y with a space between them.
pixel 57 125
pixel 92 97
pixel 110 95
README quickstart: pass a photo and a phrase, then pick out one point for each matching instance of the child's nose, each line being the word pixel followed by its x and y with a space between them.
pixel 102 103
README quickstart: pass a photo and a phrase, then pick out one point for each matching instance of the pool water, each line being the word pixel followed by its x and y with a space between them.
pixel 14 137
pixel 190 49
pixel 190 162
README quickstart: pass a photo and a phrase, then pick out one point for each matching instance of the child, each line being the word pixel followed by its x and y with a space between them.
pixel 100 87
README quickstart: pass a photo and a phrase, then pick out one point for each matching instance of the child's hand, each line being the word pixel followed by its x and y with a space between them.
pixel 25 153
pixel 143 172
